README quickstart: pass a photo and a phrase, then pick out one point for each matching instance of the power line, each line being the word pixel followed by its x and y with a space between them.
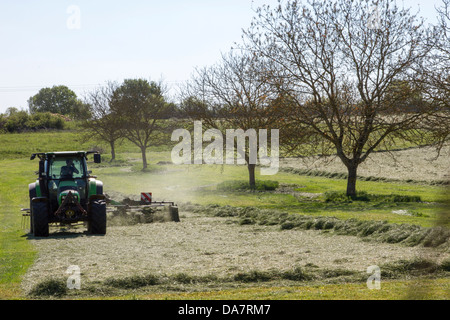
pixel 34 87
pixel 28 88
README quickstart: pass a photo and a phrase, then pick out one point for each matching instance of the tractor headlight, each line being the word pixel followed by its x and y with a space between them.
pixel 74 197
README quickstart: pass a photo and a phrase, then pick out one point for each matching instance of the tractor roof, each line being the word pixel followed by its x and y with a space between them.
pixel 44 155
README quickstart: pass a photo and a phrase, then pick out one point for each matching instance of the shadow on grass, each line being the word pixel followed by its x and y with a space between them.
pixel 62 234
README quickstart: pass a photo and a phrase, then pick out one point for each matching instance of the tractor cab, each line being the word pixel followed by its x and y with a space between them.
pixel 66 191
pixel 67 173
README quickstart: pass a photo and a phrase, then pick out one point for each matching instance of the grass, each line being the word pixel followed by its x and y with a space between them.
pixel 434 289
pixel 255 281
pixel 370 230
pixel 342 175
pixel 417 289
pixel 237 185
pixel 16 253
pixel 407 208
pixel 50 288
pixel 169 182
pixel 364 196
pixel 22 145
pixel 199 184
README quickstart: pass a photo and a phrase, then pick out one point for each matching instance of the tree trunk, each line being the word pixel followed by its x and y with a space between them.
pixel 113 150
pixel 251 175
pixel 144 158
pixel 351 180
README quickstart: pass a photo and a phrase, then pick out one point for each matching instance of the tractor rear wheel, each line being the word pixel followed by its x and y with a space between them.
pixel 97 222
pixel 39 218
pixel 31 217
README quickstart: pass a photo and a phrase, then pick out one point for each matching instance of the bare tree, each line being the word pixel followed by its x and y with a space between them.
pixel 336 64
pixel 104 123
pixel 234 94
pixel 434 77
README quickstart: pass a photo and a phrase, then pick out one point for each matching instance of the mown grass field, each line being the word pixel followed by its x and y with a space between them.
pixel 197 184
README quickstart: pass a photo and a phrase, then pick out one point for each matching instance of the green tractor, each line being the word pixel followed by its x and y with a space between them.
pixel 66 193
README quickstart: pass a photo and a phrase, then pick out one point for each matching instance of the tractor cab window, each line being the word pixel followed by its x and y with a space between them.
pixel 66 168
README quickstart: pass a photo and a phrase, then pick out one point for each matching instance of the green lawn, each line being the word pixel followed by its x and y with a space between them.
pixel 197 184
pixel 433 289
pixel 16 253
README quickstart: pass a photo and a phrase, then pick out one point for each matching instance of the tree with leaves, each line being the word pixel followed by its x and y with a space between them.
pixel 141 108
pixel 58 99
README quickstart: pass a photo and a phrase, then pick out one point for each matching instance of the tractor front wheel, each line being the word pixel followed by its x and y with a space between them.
pixel 97 222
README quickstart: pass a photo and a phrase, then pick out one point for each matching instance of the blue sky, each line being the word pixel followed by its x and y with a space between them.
pixel 83 44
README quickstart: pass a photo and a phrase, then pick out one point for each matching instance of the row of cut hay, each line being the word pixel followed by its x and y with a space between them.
pixel 342 175
pixel 380 231
pixel 401 269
